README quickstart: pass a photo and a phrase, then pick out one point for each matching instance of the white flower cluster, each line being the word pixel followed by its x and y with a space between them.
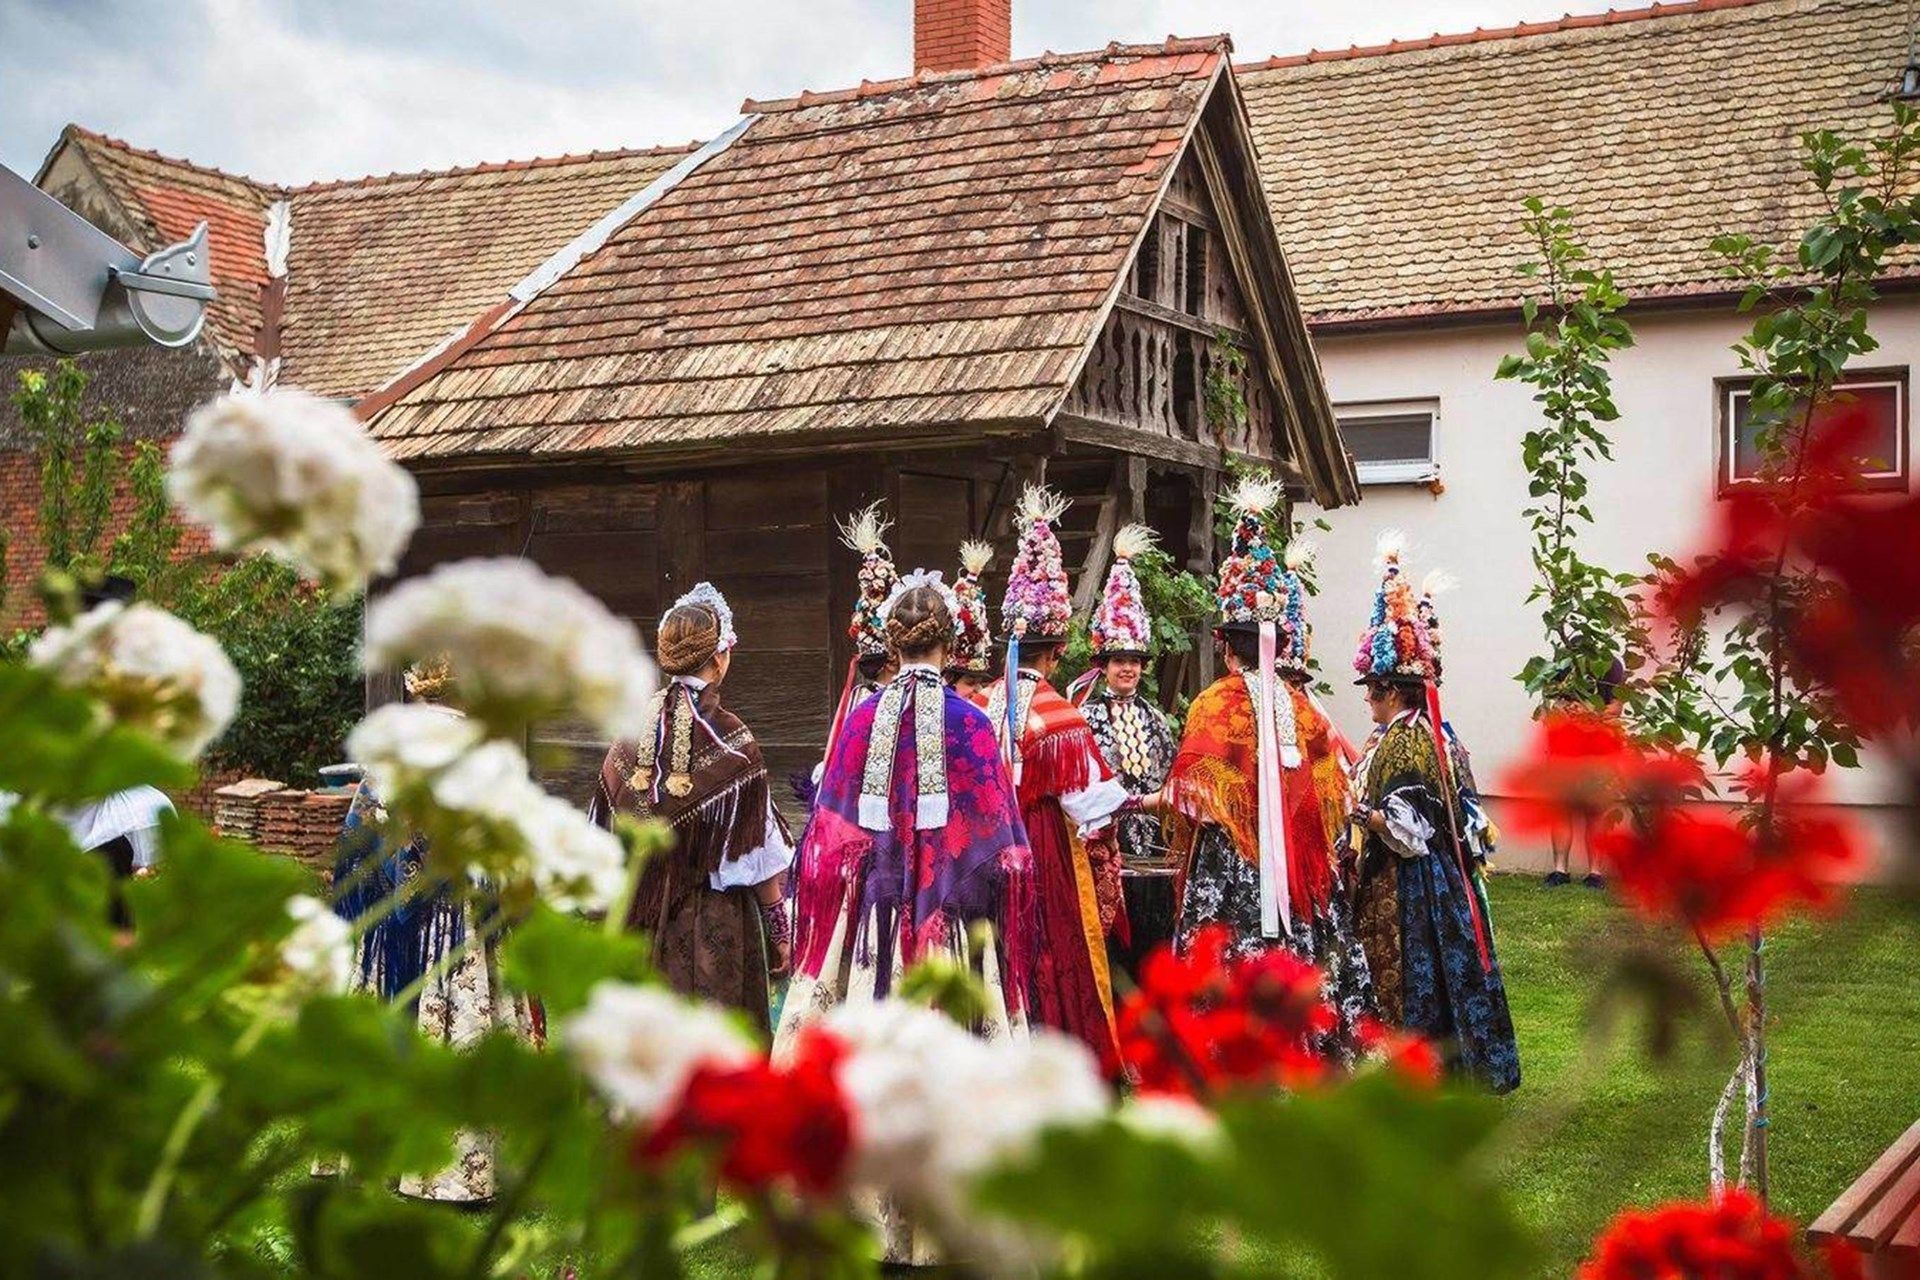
pixel 319 951
pixel 151 671
pixel 639 1045
pixel 522 645
pixel 909 1075
pixel 907 1069
pixel 410 749
pixel 299 478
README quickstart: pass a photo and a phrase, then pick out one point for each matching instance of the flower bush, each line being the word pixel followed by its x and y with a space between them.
pixel 147 669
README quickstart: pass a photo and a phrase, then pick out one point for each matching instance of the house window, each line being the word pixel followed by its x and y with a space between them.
pixel 1880 394
pixel 1391 441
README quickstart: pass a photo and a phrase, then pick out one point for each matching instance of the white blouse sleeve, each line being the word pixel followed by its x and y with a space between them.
pixel 1407 833
pixel 757 866
pixel 1091 808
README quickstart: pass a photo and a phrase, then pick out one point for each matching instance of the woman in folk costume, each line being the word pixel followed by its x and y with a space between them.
pixel 1419 902
pixel 1135 737
pixel 915 838
pixel 970 665
pixel 714 905
pixel 403 953
pixel 1068 795
pixel 914 850
pixel 1256 803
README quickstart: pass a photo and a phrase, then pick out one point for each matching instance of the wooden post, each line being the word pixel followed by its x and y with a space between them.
pixel 682 525
pixel 1206 490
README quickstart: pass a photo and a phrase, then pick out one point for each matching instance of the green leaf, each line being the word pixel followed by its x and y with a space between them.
pixel 559 959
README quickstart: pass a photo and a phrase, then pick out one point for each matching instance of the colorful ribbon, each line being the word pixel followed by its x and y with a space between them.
pixel 1276 904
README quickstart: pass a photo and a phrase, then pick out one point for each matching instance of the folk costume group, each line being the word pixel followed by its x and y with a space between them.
pixel 985 817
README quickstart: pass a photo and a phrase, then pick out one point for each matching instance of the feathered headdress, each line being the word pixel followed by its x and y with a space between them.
pixel 1120 621
pixel 1253 582
pixel 972 634
pixel 1398 641
pixel 865 532
pixel 1038 604
pixel 705 593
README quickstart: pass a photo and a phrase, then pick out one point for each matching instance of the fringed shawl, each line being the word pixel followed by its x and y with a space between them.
pixel 401 946
pixel 724 813
pixel 910 888
pixel 1058 753
pixel 1214 780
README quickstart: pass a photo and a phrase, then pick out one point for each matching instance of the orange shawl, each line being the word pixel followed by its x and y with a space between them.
pixel 1213 780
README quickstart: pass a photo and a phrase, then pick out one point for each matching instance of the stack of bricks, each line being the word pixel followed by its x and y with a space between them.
pixel 236 807
pixel 300 824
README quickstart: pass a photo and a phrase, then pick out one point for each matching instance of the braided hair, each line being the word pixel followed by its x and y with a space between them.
pixel 689 637
pixel 919 624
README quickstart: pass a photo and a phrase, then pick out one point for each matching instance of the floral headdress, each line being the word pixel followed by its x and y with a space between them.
pixel 705 593
pixel 921 578
pixel 1120 622
pixel 1253 581
pixel 1398 642
pixel 865 532
pixel 972 634
pixel 1435 584
pixel 1038 604
pixel 1296 637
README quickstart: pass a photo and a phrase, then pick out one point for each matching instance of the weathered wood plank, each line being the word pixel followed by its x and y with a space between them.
pixel 782 499
pixel 631 505
pixel 618 568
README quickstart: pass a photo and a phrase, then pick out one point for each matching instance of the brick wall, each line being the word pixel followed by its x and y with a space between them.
pixel 148 391
pixel 956 35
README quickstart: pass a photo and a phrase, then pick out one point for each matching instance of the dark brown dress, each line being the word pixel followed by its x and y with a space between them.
pixel 707 940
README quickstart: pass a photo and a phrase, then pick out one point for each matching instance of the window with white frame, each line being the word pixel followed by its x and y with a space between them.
pixel 1392 441
pixel 1879 396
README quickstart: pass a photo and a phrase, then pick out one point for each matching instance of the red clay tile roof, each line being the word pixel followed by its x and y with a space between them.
pixel 894 259
pixel 165 198
pixel 380 269
pixel 1396 172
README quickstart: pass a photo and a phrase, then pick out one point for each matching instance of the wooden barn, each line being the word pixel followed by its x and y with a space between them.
pixel 927 291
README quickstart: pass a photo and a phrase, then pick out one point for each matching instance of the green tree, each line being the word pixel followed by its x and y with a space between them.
pixel 1572 328
pixel 1732 689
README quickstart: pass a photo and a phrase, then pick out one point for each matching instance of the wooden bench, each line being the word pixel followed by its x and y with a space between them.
pixel 1880 1212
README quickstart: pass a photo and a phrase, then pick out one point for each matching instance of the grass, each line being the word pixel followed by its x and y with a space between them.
pixel 1600 1121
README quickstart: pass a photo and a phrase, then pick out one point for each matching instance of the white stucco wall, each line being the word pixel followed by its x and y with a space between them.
pixel 1657 495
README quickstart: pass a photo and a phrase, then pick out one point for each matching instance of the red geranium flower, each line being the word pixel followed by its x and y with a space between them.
pixel 1732 1238
pixel 1708 870
pixel 766 1123
pixel 1583 766
pixel 1411 1057
pixel 1202 1023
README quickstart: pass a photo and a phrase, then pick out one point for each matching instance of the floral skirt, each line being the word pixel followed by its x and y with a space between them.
pixel 1224 888
pixel 710 946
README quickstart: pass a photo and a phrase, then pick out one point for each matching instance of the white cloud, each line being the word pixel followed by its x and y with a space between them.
pixel 297 92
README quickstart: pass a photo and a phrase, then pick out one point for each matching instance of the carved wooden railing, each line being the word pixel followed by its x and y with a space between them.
pixel 1150 369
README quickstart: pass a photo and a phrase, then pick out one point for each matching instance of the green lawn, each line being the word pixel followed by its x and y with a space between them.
pixel 1599 1123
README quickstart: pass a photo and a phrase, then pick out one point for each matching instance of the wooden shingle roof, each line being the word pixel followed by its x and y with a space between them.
pixel 891 260
pixel 382 269
pixel 1396 173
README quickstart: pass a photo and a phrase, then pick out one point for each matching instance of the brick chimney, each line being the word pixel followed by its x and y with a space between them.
pixel 958 35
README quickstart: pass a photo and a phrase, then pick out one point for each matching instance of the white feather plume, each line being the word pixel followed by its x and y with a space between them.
pixel 1437 583
pixel 1301 553
pixel 1388 549
pixel 1255 494
pixel 1041 503
pixel 1132 540
pixel 865 530
pixel 976 556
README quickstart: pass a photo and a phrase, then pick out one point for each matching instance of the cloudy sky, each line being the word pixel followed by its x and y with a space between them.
pixel 298 90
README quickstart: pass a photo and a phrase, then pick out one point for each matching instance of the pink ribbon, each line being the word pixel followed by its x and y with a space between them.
pixel 1276 904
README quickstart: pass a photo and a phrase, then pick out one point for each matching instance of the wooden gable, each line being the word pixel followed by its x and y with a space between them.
pixel 1175 350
